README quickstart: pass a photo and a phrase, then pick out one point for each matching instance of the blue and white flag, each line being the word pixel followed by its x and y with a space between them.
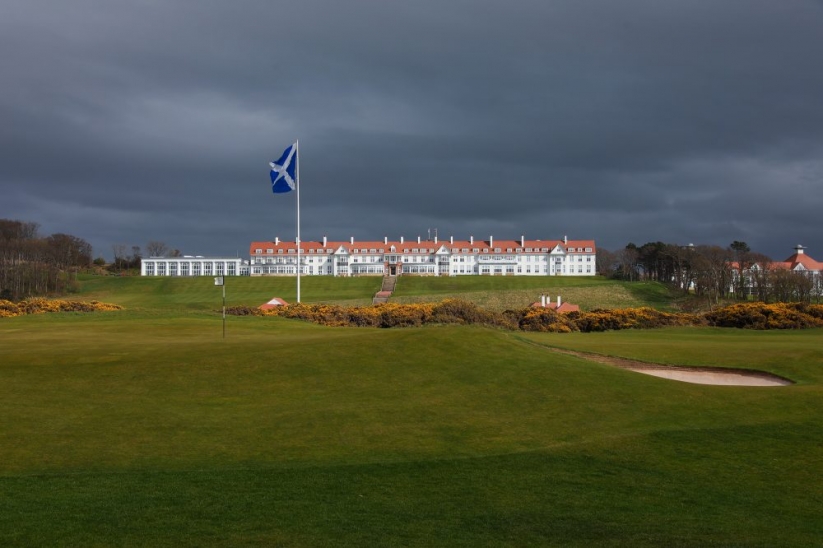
pixel 283 171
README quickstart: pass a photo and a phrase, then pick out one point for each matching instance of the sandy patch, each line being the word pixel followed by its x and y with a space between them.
pixel 696 375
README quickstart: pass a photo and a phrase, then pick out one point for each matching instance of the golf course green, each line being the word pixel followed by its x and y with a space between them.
pixel 145 427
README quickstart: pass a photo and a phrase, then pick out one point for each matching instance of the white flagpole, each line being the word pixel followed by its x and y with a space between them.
pixel 297 184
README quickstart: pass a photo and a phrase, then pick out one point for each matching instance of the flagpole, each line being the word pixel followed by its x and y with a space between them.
pixel 297 184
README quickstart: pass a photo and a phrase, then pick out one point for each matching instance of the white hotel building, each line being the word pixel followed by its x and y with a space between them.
pixel 427 257
pixel 190 265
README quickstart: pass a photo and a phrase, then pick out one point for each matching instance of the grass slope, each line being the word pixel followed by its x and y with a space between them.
pixel 145 428
pixel 492 292
pixel 513 292
pixel 200 293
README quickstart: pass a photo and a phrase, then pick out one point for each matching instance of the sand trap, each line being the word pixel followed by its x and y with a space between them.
pixel 716 376
pixel 696 375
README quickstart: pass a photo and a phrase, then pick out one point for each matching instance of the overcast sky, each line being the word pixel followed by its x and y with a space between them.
pixel 685 121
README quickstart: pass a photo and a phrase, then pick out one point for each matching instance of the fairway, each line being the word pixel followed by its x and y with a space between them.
pixel 143 427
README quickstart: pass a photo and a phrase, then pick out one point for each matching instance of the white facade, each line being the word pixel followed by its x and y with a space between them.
pixel 194 266
pixel 427 258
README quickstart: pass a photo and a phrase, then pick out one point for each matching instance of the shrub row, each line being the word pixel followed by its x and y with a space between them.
pixel 768 316
pixel 9 309
pixel 455 311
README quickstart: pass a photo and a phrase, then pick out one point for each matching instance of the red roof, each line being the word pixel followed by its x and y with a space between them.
pixel 562 309
pixel 429 246
pixel 274 303
pixel 803 259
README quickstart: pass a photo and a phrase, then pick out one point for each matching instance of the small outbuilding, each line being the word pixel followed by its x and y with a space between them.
pixel 560 307
pixel 275 302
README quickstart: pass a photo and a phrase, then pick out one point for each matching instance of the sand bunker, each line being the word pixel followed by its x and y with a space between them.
pixel 696 375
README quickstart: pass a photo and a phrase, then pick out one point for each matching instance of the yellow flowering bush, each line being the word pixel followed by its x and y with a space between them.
pixel 547 320
pixel 629 318
pixel 768 316
pixel 9 309
pixel 455 311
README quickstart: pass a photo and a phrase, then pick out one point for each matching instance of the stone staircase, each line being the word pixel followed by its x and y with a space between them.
pixel 386 290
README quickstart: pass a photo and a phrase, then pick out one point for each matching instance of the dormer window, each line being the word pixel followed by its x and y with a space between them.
pixel 270 251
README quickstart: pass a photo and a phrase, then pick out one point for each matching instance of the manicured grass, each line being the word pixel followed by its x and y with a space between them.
pixel 201 294
pixel 145 428
pixel 513 292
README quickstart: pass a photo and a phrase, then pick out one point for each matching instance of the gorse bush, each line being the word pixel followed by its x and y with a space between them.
pixel 9 309
pixel 456 311
pixel 631 318
pixel 768 316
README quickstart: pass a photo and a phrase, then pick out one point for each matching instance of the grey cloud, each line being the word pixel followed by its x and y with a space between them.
pixel 619 121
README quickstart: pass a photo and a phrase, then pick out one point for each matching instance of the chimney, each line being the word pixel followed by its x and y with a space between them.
pixel 451 240
pixel 471 240
pixel 276 240
pixel 324 241
pixel 418 239
pixel 799 249
pixel 491 241
pixel 385 240
pixel 558 301
pixel 565 239
pixel 522 240
pixel 435 238
pixel 351 240
pixel 401 239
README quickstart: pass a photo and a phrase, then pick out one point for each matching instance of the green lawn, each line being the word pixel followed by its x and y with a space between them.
pixel 196 294
pixel 145 428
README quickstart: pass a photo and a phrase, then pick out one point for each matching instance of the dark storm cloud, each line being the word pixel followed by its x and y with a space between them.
pixel 619 121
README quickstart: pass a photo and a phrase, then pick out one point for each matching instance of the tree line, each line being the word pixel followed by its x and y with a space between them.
pixel 33 265
pixel 125 260
pixel 712 272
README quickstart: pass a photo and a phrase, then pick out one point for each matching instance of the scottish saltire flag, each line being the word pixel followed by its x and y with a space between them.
pixel 283 178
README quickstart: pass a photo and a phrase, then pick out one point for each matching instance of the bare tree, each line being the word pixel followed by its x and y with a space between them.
pixel 119 252
pixel 30 265
pixel 606 262
pixel 712 269
pixel 627 261
pixel 156 249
